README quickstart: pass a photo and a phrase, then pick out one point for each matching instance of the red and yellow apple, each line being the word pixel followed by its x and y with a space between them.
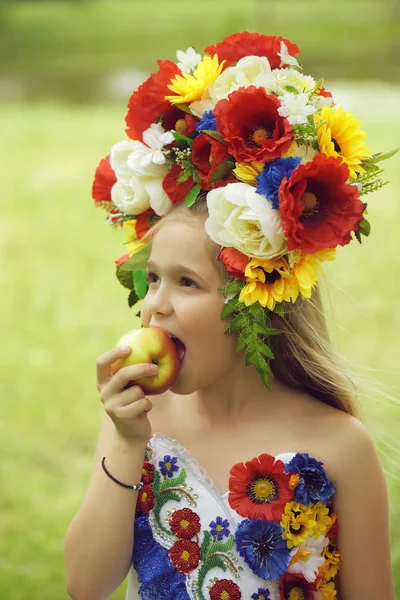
pixel 150 345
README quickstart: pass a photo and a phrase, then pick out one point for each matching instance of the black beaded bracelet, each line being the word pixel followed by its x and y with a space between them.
pixel 138 487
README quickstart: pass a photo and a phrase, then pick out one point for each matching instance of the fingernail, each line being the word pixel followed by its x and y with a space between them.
pixel 154 368
pixel 124 348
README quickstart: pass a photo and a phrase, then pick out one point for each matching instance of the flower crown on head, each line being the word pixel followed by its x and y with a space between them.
pixel 283 166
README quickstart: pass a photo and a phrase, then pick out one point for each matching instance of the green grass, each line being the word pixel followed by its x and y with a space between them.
pixel 61 306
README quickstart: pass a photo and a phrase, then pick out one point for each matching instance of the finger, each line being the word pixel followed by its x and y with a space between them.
pixel 129 374
pixel 132 394
pixel 133 410
pixel 104 362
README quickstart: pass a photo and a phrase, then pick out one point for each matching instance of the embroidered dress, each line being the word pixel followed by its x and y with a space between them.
pixel 271 536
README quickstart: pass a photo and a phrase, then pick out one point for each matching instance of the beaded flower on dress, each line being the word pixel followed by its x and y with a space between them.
pixel 272 536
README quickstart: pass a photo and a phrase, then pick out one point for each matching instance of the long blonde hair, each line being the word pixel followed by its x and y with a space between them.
pixel 304 357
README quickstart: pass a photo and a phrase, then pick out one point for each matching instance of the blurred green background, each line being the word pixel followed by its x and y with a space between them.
pixel 66 73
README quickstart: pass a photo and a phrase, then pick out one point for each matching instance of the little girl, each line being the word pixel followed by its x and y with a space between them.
pixel 252 475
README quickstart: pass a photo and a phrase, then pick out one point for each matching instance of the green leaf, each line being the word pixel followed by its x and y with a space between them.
pixel 291 88
pixel 192 195
pixel 279 309
pixel 380 156
pixel 358 236
pixel 132 299
pixel 140 283
pixel 233 287
pixel 182 138
pixel 222 170
pixel 184 177
pixel 137 261
pixel 242 343
pixel 216 135
pixel 205 545
pixel 174 481
pixel 365 227
pixel 184 108
pixel 237 324
pixel 230 307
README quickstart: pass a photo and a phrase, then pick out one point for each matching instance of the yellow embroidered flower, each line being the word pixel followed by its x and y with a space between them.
pixel 322 518
pixel 294 481
pixel 298 523
pixel 132 242
pixel 327 590
pixel 247 172
pixel 339 134
pixel 268 282
pixel 188 87
pixel 307 266
pixel 331 565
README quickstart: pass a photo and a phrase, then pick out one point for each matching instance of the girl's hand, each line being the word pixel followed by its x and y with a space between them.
pixel 127 408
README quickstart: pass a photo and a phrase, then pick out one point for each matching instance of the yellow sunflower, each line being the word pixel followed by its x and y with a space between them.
pixel 133 244
pixel 339 134
pixel 247 172
pixel 306 269
pixel 268 282
pixel 298 523
pixel 327 590
pixel 188 87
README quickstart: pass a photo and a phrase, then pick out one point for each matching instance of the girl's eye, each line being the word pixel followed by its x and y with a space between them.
pixel 150 278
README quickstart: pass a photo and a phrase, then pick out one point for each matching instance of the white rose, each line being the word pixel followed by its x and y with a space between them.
pixel 135 195
pixel 250 70
pixel 242 219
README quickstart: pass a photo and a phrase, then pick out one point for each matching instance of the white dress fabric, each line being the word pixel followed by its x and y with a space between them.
pixel 222 561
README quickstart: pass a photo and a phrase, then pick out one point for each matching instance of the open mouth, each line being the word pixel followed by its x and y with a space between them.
pixel 180 347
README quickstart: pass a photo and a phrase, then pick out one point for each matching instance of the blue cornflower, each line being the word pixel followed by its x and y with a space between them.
pixel 207 122
pixel 261 594
pixel 314 485
pixel 168 466
pixel 272 175
pixel 220 528
pixel 263 548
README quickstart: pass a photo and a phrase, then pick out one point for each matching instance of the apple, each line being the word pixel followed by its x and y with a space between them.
pixel 150 345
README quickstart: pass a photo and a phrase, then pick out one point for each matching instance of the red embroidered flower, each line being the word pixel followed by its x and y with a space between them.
pixel 144 222
pixel 234 262
pixel 185 523
pixel 259 488
pixel 176 190
pixel 295 586
pixel 318 207
pixel 250 124
pixel 185 555
pixel 147 472
pixel 207 156
pixel 148 102
pixel 104 180
pixel 236 46
pixel 224 589
pixel 334 530
pixel 145 501
pixel 122 259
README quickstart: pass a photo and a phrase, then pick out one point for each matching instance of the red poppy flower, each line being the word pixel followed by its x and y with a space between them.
pixel 234 262
pixel 185 523
pixel 144 222
pixel 295 586
pixel 226 590
pixel 145 501
pixel 122 259
pixel 259 488
pixel 179 121
pixel 148 102
pixel 147 472
pixel 185 555
pixel 318 208
pixel 104 180
pixel 176 190
pixel 251 125
pixel 323 92
pixel 207 155
pixel 236 46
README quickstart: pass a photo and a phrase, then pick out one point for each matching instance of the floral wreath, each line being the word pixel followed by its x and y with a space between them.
pixel 283 166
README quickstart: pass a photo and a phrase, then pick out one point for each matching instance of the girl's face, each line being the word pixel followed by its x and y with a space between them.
pixel 183 298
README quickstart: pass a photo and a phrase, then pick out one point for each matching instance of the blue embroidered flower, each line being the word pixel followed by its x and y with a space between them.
pixel 207 122
pixel 220 528
pixel 314 484
pixel 158 578
pixel 261 594
pixel 272 175
pixel 168 466
pixel 261 545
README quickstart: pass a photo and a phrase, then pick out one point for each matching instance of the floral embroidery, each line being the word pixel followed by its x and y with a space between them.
pixel 145 501
pixel 224 589
pixel 263 548
pixel 326 591
pixel 298 522
pixel 168 466
pixel 219 528
pixel 147 472
pixel 322 518
pixel 185 555
pixel 261 594
pixel 314 484
pixel 259 489
pixel 185 524
pixel 307 558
